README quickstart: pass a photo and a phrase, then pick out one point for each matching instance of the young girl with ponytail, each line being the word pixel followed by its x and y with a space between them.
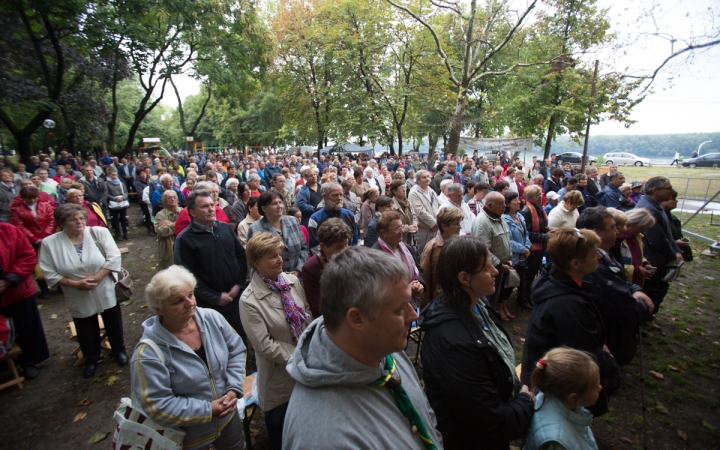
pixel 565 382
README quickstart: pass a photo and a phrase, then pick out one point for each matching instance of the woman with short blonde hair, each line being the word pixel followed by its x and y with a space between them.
pixel 274 313
pixel 565 214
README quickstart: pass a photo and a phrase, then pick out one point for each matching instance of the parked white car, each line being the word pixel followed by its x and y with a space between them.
pixel 622 158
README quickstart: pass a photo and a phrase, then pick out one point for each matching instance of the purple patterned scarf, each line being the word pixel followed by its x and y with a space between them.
pixel 294 314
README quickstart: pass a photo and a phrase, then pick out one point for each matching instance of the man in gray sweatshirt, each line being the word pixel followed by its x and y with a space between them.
pixel 352 376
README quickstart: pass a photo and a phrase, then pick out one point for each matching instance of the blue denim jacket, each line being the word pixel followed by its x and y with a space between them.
pixel 519 237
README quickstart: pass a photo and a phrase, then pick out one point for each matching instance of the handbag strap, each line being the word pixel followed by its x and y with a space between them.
pixel 99 246
pixel 156 348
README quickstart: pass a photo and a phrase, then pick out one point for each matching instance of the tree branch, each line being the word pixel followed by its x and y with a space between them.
pixel 689 48
pixel 443 55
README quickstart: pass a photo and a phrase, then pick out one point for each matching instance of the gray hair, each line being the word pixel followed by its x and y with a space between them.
pixel 166 194
pixel 640 217
pixel 63 212
pixel 654 183
pixel 455 187
pixel 253 177
pixel 422 172
pixel 166 283
pixel 371 269
pixel 192 198
pixel 166 176
pixel 205 186
pixel 327 187
pixel 445 183
pixel 234 181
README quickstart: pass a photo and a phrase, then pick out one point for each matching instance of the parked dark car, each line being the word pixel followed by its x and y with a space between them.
pixel 574 158
pixel 706 160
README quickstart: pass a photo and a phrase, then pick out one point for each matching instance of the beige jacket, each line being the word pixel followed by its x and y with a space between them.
pixel 263 319
pixel 425 208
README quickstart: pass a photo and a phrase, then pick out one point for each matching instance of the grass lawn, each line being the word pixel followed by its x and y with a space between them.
pixel 696 184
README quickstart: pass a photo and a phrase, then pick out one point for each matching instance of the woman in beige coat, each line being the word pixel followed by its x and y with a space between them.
pixel 274 313
pixel 165 228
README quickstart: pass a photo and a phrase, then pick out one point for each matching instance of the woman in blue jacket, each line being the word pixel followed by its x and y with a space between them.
pixel 519 244
pixel 195 385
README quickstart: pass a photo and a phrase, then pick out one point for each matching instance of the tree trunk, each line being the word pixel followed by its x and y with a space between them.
pixel 456 126
pixel 548 139
pixel 432 142
pixel 400 142
pixel 112 123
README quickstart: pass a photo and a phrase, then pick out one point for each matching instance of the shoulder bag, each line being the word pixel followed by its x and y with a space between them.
pixel 113 205
pixel 135 430
pixel 124 285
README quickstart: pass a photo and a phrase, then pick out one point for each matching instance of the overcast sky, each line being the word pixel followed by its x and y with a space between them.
pixel 689 104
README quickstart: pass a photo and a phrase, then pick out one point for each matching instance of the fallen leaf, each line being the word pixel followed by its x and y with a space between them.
pixel 627 440
pixel 126 303
pixel 54 316
pixel 144 306
pixel 685 331
pixel 99 379
pixel 113 372
pixel 40 306
pixel 79 416
pixel 112 379
pixel 97 437
pixel 675 369
pixel 517 330
pixel 710 278
pixel 708 425
pixel 657 375
pixel 522 340
pixel 663 333
pixel 661 408
pixel 682 435
pixel 86 401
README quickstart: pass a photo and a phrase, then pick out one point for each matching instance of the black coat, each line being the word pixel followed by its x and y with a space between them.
pixel 621 313
pixel 659 246
pixel 216 259
pixel 565 315
pixel 541 236
pixel 468 384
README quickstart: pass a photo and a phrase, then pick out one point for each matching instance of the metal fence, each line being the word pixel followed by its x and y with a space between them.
pixel 699 189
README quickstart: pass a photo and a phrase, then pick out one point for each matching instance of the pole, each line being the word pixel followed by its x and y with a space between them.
pixel 642 391
pixel 587 127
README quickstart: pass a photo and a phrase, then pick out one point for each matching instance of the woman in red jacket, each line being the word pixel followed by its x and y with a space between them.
pixel 34 217
pixel 17 298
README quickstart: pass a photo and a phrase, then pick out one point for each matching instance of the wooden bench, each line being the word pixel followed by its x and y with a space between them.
pixel 104 343
pixel 9 359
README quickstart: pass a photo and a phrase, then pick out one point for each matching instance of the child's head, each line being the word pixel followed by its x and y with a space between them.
pixel 572 376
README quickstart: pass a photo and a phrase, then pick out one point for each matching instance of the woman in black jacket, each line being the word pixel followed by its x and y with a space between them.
pixel 468 361
pixel 536 221
pixel 564 313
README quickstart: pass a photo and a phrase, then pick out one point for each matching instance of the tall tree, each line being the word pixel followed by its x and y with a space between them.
pixel 41 44
pixel 484 33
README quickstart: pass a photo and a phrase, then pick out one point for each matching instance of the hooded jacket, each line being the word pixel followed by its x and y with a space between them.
pixel 332 406
pixel 178 393
pixel 467 382
pixel 565 315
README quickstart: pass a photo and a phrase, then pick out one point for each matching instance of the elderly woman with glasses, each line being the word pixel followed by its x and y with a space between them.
pixel 195 385
pixel 165 228
pixel 390 233
pixel 274 313
pixel 564 313
pixel 82 260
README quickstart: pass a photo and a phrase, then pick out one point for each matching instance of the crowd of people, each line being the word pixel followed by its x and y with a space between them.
pixel 323 265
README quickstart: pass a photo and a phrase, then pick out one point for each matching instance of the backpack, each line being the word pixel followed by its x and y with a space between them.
pixel 7 335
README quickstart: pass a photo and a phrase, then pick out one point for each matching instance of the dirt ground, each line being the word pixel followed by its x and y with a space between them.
pixel 684 406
